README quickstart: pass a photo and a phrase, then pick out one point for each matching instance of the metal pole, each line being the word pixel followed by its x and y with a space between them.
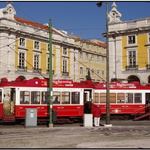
pixel 107 72
pixel 50 76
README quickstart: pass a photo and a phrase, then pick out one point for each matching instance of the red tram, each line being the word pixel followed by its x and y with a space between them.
pixel 70 99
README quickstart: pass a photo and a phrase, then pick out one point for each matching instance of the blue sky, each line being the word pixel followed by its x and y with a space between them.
pixel 84 19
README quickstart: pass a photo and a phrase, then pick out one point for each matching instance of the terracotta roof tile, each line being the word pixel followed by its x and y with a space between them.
pixel 34 24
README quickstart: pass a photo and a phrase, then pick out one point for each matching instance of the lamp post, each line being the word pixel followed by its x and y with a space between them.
pixel 50 76
pixel 99 4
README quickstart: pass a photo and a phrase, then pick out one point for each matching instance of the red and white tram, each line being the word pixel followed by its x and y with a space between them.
pixel 70 99
pixel 126 99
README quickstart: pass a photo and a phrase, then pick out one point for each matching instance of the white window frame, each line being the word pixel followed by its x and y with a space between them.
pixel 65 51
pixel 129 51
pixel 22 42
pixel 36 62
pixel 81 70
pixel 131 39
pixel 22 64
pixel 36 45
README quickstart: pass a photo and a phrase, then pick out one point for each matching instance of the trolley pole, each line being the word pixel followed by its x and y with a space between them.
pixel 50 76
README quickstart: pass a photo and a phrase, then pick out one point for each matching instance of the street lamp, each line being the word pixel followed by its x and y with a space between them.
pixel 99 4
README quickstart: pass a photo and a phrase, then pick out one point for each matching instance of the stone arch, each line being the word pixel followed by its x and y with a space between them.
pixel 133 78
pixel 22 78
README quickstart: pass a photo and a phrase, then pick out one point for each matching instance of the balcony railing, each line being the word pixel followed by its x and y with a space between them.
pixel 133 67
pixel 65 73
pixel 36 70
pixel 47 71
pixel 22 68
pixel 148 66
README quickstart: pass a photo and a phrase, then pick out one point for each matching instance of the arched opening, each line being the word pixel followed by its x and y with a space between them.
pixel 35 78
pixel 133 78
pixel 149 79
pixel 22 78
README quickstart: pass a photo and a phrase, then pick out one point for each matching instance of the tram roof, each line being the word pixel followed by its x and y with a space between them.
pixel 121 85
pixel 44 83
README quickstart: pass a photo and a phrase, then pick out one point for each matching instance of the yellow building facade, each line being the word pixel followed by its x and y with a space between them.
pixel 91 59
pixel 25 46
pixel 129 47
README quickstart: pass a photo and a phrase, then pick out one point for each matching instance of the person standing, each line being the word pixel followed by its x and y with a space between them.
pixel 96 114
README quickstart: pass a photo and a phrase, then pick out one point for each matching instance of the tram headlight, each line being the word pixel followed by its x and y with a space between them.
pixel 116 110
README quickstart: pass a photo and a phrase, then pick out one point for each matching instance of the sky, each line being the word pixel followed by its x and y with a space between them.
pixel 84 18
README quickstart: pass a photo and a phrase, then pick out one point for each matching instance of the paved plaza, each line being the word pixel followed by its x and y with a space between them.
pixel 76 136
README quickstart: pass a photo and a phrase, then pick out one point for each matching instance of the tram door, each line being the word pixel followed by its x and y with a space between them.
pixel 147 95
pixel 87 102
pixel 9 101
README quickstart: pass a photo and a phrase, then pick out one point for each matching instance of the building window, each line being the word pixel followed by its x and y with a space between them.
pixel 22 42
pixel 87 71
pixel 81 70
pixel 81 55
pixel 87 56
pixel 21 60
pixel 98 72
pixel 36 44
pixel 132 58
pixel 64 51
pixel 131 39
pixel 36 61
pixel 65 66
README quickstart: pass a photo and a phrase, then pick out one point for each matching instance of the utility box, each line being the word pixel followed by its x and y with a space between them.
pixel 31 117
pixel 88 120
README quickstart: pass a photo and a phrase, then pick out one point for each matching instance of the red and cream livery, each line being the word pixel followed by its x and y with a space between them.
pixel 70 99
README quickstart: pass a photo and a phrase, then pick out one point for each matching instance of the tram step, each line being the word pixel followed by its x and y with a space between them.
pixel 9 119
pixel 140 117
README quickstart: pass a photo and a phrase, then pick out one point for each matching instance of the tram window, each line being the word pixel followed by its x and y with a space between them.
pixel 96 98
pixel 45 97
pixel 56 97
pixel 138 97
pixel 129 98
pixel 35 97
pixel 112 97
pixel 75 98
pixel 65 98
pixel 102 97
pixel 24 97
pixel 120 98
pixel 0 95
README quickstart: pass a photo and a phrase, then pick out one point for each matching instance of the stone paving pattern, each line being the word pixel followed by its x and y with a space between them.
pixel 70 136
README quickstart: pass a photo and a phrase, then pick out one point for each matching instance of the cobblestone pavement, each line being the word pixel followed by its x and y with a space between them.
pixel 117 136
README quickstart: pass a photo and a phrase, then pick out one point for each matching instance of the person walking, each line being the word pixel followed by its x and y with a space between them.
pixel 96 114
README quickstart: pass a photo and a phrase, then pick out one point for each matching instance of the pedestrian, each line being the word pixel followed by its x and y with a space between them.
pixel 96 114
